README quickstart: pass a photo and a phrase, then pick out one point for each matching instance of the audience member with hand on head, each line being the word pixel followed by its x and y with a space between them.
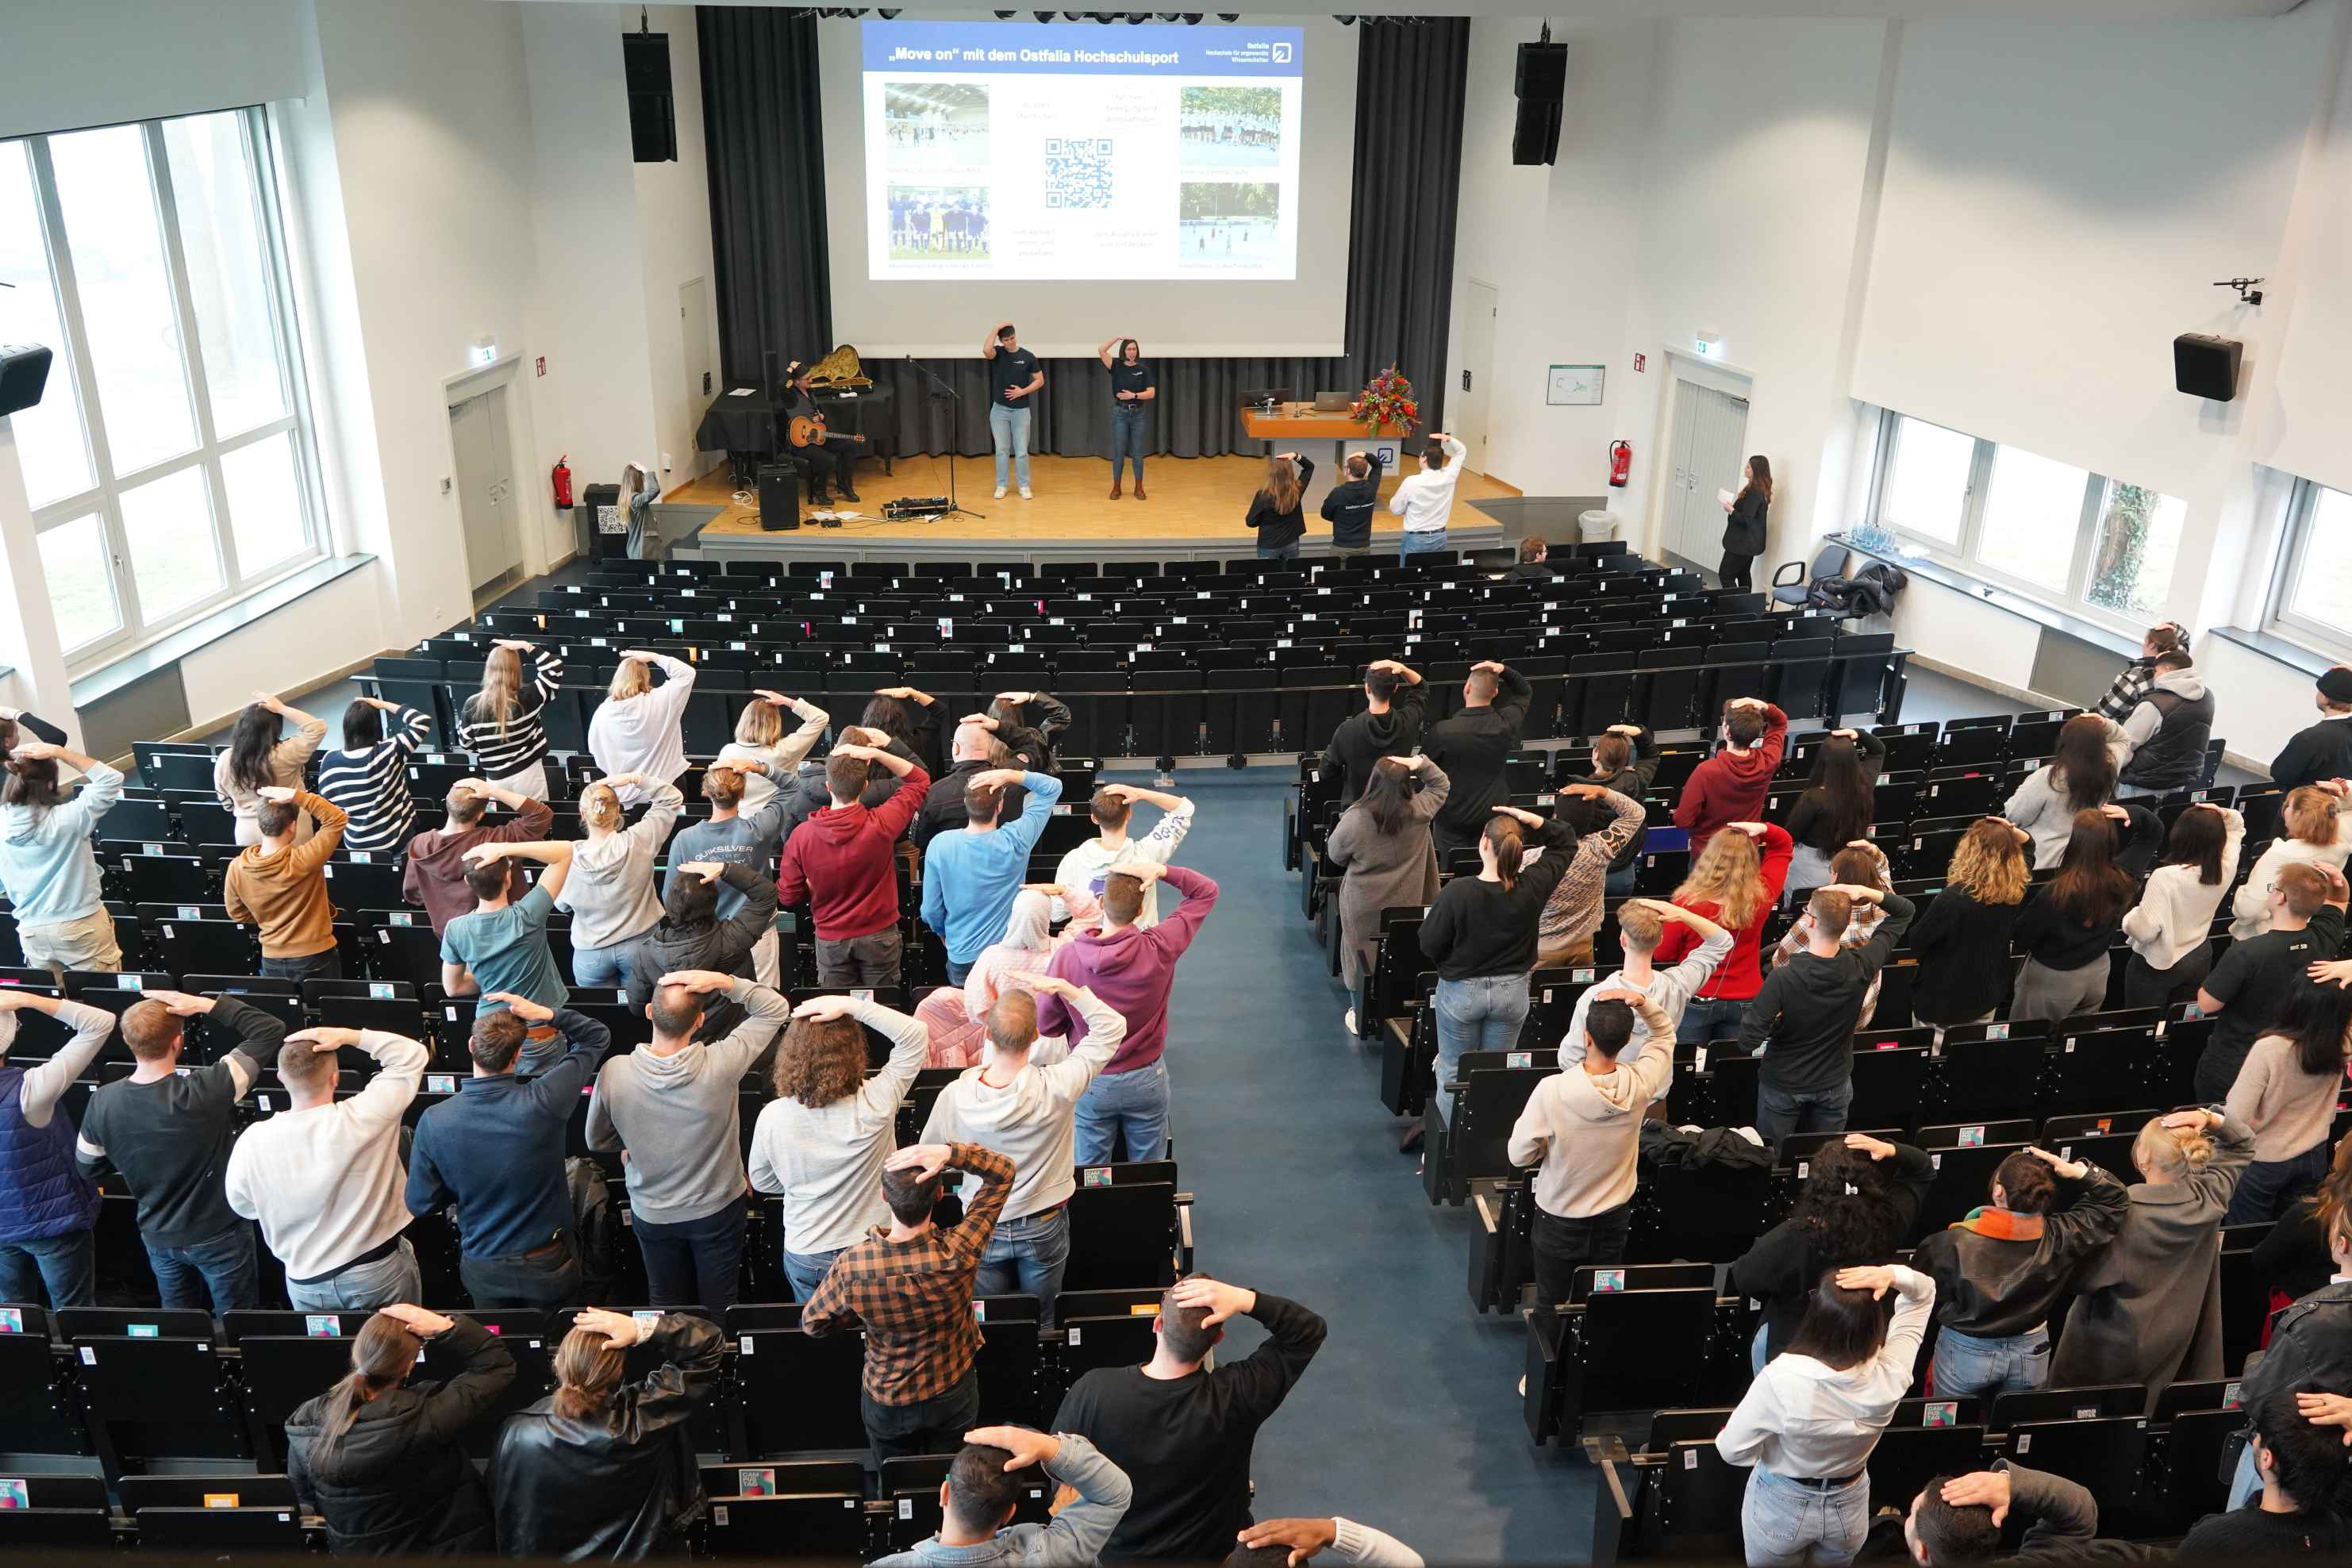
pixel 1807 1010
pixel 1860 1199
pixel 982 1491
pixel 260 755
pixel 280 885
pixel 731 838
pixel 691 934
pixel 610 892
pixel 972 876
pixel 1389 725
pixel 1642 925
pixel 843 861
pixel 48 1209
pixel 47 866
pixel 959 1019
pixel 1112 847
pixel 1962 941
pixel 500 724
pixel 502 948
pixel 1384 846
pixel 638 728
pixel 1732 785
pixel 368 778
pixel 438 878
pixel 1734 881
pixel 1470 747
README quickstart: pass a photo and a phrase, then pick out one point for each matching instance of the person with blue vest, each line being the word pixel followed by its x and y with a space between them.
pixel 46 1206
pixel 971 877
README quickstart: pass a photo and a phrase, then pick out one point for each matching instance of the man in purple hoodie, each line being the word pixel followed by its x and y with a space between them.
pixel 1130 967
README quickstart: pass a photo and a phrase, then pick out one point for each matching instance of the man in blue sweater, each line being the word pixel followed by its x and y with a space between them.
pixel 496 1151
pixel 971 877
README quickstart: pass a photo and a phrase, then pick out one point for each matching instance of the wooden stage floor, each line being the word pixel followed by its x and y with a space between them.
pixel 1194 502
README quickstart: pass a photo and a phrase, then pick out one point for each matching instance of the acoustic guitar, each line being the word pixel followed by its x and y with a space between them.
pixel 809 430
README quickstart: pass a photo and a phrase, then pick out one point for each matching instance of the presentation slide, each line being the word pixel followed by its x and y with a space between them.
pixel 1068 151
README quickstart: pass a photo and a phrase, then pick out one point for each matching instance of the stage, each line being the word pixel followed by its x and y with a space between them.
pixel 1195 511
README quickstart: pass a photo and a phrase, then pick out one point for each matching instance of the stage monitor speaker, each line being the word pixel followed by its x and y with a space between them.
pixel 1541 85
pixel 653 109
pixel 2205 366
pixel 24 371
pixel 779 498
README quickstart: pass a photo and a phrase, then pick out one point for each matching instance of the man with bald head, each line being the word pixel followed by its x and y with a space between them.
pixel 1021 1101
pixel 672 1107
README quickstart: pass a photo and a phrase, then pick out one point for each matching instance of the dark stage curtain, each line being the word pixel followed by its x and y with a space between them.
pixel 767 214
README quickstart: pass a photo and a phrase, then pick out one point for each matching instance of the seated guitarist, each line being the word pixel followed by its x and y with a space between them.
pixel 827 456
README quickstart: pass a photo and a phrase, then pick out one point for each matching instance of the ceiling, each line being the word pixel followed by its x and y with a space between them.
pixel 1623 11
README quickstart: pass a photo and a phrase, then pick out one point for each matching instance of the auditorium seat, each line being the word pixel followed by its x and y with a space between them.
pixel 796 1393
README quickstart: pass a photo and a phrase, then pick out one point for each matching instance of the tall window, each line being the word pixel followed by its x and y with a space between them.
pixel 2311 598
pixel 2048 529
pixel 170 463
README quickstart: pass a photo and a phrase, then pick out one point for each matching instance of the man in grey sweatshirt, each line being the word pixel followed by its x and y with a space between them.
pixel 1021 1101
pixel 671 1108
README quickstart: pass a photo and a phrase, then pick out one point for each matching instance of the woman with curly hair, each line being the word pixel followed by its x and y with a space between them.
pixel 822 1140
pixel 1861 1197
pixel 1962 939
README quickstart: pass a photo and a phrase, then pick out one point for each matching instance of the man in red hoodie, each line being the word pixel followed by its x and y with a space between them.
pixel 839 860
pixel 1129 968
pixel 1730 786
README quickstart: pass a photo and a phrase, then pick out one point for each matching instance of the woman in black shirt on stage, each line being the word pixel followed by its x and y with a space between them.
pixel 1133 388
pixel 1743 531
pixel 1278 510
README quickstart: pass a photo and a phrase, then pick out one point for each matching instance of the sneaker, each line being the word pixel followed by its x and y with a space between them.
pixel 1523 1385
pixel 1000 492
pixel 1352 1021
pixel 1024 493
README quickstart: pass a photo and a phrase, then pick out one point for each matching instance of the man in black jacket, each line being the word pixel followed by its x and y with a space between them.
pixel 2324 750
pixel 692 936
pixel 1471 747
pixel 1958 1519
pixel 1349 505
pixel 1389 727
pixel 977 751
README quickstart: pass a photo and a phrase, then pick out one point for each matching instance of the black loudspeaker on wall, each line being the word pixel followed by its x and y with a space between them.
pixel 779 498
pixel 24 370
pixel 653 110
pixel 2205 366
pixel 1541 85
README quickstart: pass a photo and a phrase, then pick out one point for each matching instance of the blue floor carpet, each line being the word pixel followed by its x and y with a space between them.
pixel 1409 1419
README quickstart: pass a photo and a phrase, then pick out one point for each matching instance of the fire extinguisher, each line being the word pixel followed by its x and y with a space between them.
pixel 1621 462
pixel 563 476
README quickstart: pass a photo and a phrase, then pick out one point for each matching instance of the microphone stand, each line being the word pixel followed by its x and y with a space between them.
pixel 941 388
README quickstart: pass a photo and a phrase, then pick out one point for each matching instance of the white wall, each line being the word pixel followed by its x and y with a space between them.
pixel 69 63
pixel 674 241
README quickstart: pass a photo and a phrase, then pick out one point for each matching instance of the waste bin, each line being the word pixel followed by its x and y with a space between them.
pixel 604 526
pixel 1595 527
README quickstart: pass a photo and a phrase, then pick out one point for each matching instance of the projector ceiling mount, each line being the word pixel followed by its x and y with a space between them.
pixel 2249 291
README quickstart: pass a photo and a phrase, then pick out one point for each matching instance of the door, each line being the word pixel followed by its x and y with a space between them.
pixel 1710 445
pixel 477 433
pixel 694 336
pixel 1468 421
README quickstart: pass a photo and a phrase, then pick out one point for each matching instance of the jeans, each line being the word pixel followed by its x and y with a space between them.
pixel 2270 1185
pixel 327 965
pixel 1619 883
pixel 2145 986
pixel 1782 1520
pixel 390 1278
pixel 1711 1018
pixel 2246 1485
pixel 548 1282
pixel 1778 1113
pixel 1420 541
pixel 605 966
pixel 224 1266
pixel 694 1262
pixel 933 1425
pixel 868 960
pixel 960 973
pixel 1759 1349
pixel 1969 1366
pixel 1126 427
pixel 1026 1256
pixel 807 1270
pixel 1807 869
pixel 1008 428
pixel 1562 1246
pixel 1278 552
pixel 1134 1103
pixel 65 1265
pixel 1481 1015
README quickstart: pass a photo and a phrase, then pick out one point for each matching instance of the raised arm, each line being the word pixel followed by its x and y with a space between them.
pixel 44 1085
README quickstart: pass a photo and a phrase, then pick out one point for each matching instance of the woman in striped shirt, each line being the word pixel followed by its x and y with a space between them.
pixel 259 757
pixel 499 723
pixel 759 737
pixel 369 777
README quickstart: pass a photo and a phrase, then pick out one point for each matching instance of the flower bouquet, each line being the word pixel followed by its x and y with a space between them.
pixel 1388 400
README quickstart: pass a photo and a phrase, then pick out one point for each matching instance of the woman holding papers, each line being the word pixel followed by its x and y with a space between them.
pixel 1743 531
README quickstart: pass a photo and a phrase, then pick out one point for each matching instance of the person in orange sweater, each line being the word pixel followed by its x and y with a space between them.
pixel 1731 785
pixel 282 886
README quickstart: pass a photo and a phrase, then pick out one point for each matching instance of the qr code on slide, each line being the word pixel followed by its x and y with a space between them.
pixel 1077 171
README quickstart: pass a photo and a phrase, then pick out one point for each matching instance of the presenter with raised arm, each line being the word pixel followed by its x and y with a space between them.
pixel 1133 386
pixel 1013 378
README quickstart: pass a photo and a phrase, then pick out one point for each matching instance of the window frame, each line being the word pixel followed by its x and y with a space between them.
pixel 1968 555
pixel 2330 642
pixel 74 366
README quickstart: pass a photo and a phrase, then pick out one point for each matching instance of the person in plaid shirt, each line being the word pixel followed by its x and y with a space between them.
pixel 2138 678
pixel 910 1287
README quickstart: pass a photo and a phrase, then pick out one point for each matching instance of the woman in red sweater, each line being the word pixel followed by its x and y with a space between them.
pixel 1734 882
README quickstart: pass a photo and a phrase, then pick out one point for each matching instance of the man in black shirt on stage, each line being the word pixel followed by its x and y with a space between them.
pixel 1133 387
pixel 829 457
pixel 1013 378
pixel 1349 507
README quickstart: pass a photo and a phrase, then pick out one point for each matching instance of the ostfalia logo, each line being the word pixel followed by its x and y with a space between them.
pixel 1281 54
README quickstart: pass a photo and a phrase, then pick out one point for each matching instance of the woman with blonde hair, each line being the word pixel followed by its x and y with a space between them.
pixel 1278 511
pixel 1962 940
pixel 2171 928
pixel 383 1459
pixel 259 757
pixel 1734 882
pixel 759 737
pixel 822 1140
pixel 2148 1310
pixel 610 893
pixel 499 723
pixel 639 729
pixel 604 1468
pixel 958 1019
pixel 2311 832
